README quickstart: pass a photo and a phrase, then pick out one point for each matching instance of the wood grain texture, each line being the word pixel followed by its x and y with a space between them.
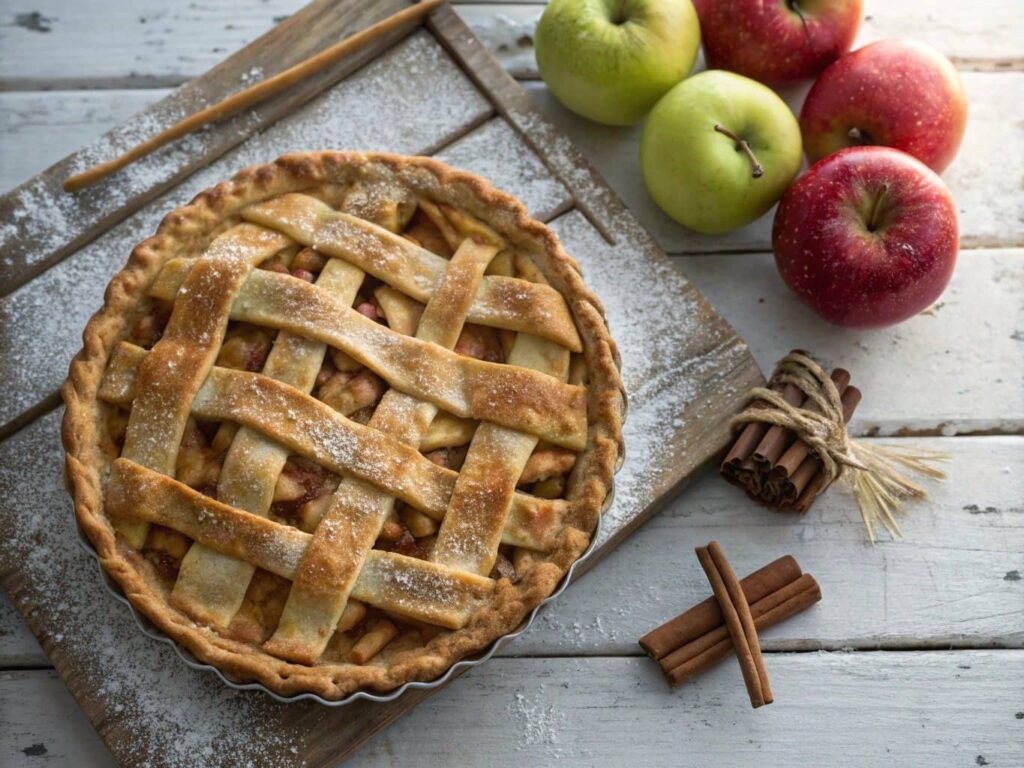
pixel 40 224
pixel 846 710
pixel 77 283
pixel 984 179
pixel 708 370
pixel 957 708
pixel 954 369
pixel 955 580
pixel 149 43
pixel 39 128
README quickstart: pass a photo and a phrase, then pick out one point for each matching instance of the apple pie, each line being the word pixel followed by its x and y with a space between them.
pixel 344 420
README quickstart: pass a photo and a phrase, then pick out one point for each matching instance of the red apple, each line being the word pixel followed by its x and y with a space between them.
pixel 866 237
pixel 776 41
pixel 897 93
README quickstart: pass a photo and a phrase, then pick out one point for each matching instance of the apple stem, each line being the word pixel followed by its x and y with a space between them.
pixel 876 208
pixel 862 138
pixel 803 20
pixel 620 17
pixel 743 145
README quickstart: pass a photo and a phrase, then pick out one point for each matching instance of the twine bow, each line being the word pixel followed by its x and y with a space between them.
pixel 871 471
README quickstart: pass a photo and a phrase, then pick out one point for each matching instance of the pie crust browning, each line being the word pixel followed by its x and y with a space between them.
pixel 343 421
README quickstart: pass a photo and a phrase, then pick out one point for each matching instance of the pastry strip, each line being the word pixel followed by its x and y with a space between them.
pixel 393 582
pixel 479 507
pixel 501 302
pixel 210 585
pixel 519 398
pixel 177 365
pixel 313 429
pixel 358 511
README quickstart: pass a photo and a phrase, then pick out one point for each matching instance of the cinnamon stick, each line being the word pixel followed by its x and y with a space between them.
pixel 749 438
pixel 695 657
pixel 776 438
pixel 706 616
pixel 804 495
pixel 781 472
pixel 739 622
pixel 797 452
pixel 706 633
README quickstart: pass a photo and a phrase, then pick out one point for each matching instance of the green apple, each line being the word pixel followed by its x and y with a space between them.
pixel 718 151
pixel 611 60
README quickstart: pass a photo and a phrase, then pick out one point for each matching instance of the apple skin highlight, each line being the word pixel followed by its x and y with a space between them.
pixel 696 173
pixel 611 60
pixel 867 237
pixel 896 93
pixel 777 42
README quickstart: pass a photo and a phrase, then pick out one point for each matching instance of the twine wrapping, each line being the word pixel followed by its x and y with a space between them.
pixel 871 471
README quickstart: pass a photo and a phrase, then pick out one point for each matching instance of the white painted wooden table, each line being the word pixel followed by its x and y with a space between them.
pixel 915 657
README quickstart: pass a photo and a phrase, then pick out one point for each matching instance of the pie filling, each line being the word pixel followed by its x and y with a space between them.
pixel 334 432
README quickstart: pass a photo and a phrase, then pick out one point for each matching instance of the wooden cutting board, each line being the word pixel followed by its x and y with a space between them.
pixel 431 90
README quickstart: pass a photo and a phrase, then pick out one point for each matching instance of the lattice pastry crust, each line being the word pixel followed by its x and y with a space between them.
pixel 342 421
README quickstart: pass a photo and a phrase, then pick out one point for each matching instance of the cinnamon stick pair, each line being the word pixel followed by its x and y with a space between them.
pixel 728 622
pixel 774 465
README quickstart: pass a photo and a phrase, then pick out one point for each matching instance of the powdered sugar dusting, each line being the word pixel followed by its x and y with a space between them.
pixel 668 357
pixel 348 116
pixel 497 153
pixel 539 722
pixel 45 218
pixel 373 109
pixel 163 712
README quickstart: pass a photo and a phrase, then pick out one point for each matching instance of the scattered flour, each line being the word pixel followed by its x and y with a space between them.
pixel 157 710
pixel 497 153
pixel 672 367
pixel 162 711
pixel 539 722
pixel 38 342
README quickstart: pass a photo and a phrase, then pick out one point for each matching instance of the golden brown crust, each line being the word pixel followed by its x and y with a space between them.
pixel 188 230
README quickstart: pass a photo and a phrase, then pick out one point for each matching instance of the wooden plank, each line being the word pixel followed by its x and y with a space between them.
pixel 111 43
pixel 42 724
pixel 497 153
pixel 706 361
pixel 984 179
pixel 855 709
pixel 40 224
pixel 40 127
pixel 18 648
pixel 146 43
pixel 955 369
pixel 845 710
pixel 506 30
pixel 76 284
pixel 955 580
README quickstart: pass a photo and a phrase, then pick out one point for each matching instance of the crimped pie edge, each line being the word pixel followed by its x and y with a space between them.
pixel 180 232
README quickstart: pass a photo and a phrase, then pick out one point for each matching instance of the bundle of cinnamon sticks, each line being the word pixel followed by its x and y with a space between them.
pixel 705 634
pixel 775 466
